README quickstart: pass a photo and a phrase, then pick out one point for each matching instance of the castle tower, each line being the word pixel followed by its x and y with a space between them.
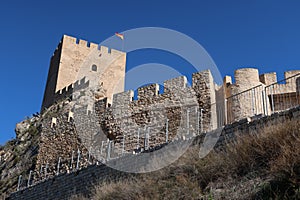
pixel 75 59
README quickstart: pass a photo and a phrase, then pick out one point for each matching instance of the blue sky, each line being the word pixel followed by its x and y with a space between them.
pixel 261 34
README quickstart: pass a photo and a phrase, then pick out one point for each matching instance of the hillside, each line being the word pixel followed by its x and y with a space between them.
pixel 18 156
pixel 260 166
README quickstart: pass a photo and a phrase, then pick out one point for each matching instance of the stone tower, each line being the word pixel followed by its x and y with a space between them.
pixel 75 59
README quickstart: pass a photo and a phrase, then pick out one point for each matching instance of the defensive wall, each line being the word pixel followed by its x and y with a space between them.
pixel 75 58
pixel 179 112
pixel 82 182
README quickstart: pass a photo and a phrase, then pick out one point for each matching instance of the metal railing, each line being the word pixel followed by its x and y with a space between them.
pixel 283 94
pixel 264 100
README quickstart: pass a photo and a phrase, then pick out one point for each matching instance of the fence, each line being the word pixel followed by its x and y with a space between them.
pixel 283 95
pixel 264 100
pixel 191 124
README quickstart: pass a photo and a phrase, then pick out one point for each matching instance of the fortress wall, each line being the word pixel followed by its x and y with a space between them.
pixel 268 78
pixel 74 59
pixel 203 85
pixel 83 181
pixel 67 92
pixel 65 186
pixel 287 86
pixel 50 89
pixel 246 98
pixel 148 91
pixel 59 140
pixel 241 101
pixel 77 61
pixel 179 104
pixel 283 95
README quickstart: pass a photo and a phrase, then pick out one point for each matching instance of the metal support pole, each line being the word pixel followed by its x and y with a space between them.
pixel 267 101
pixel 146 143
pixel 197 120
pixel 28 182
pixel 19 182
pixel 272 99
pixel 187 121
pixel 41 171
pixel 58 165
pixel 167 130
pixel 252 101
pixel 101 150
pixel 108 150
pixel 78 159
pixel 46 170
pixel 89 156
pixel 201 119
pixel 263 101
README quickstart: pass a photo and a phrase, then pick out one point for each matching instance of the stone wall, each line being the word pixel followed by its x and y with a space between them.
pixel 82 182
pixel 253 94
pixel 67 185
pixel 135 121
pixel 74 59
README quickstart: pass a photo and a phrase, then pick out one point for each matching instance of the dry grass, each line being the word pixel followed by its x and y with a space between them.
pixel 257 166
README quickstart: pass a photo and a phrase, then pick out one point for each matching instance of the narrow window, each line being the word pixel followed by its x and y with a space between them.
pixel 94 68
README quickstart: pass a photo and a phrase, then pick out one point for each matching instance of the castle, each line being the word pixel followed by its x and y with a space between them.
pixel 93 77
pixel 75 62
pixel 88 118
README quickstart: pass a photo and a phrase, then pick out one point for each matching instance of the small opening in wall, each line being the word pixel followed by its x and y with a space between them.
pixel 94 68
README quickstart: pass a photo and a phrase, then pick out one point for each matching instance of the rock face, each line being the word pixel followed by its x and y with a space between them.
pixel 18 156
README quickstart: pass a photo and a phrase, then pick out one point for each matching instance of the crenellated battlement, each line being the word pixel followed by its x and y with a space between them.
pixel 74 58
pixel 171 88
pixel 68 91
pixel 69 40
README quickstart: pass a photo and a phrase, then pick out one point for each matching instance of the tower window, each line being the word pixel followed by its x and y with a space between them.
pixel 94 68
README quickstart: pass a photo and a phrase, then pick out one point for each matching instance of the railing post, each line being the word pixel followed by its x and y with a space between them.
pixel 29 177
pixel 252 101
pixel 201 119
pixel 101 150
pixel 167 130
pixel 263 101
pixel 272 99
pixel 78 159
pixel 197 120
pixel 187 121
pixel 46 169
pixel 108 150
pixel 19 182
pixel 89 156
pixel 58 165
pixel 146 142
pixel 41 172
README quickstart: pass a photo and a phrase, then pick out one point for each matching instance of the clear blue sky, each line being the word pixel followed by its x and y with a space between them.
pixel 262 34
